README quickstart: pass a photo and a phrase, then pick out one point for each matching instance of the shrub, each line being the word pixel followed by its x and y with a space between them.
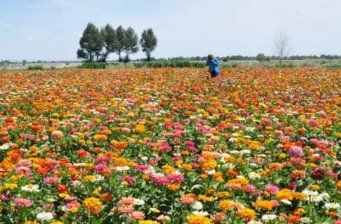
pixel 94 65
pixel 35 67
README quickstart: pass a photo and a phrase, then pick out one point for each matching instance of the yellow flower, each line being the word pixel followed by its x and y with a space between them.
pixel 100 137
pixel 148 222
pixel 56 222
pixel 285 194
pixel 89 178
pixel 205 198
pixel 10 186
pixel 173 187
pixel 155 210
pixel 93 205
pixel 198 219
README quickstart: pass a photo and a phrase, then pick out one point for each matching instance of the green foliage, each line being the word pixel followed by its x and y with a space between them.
pixel 130 43
pixel 110 41
pixel 172 64
pixel 148 42
pixel 35 67
pixel 94 65
pixel 91 43
pixel 261 57
pixel 120 37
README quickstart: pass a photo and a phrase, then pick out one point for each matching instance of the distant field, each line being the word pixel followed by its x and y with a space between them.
pixel 336 63
pixel 168 146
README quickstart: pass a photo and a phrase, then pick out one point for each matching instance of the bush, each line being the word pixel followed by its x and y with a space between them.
pixel 171 64
pixel 94 65
pixel 35 67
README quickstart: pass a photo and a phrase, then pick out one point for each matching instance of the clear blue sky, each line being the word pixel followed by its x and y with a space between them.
pixel 50 29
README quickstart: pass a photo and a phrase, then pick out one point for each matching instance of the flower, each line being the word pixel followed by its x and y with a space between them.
pixel 93 205
pixel 57 135
pixel 198 219
pixel 196 206
pixel 247 214
pixel 137 215
pixel 44 216
pixel 22 202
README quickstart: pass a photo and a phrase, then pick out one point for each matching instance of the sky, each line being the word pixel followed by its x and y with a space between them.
pixel 50 29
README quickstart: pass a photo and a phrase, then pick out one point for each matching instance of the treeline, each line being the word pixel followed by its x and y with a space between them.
pixel 261 57
pixel 97 44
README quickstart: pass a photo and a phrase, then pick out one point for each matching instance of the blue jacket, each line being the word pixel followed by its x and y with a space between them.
pixel 213 65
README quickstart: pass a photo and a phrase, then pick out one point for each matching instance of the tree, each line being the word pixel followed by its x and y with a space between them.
pixel 148 42
pixel 91 43
pixel 130 43
pixel 282 46
pixel 119 43
pixel 110 41
pixel 261 57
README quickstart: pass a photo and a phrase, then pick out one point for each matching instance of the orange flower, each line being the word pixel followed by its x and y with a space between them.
pixel 100 137
pixel 93 205
pixel 198 219
pixel 247 214
pixel 293 219
pixel 140 128
pixel 264 204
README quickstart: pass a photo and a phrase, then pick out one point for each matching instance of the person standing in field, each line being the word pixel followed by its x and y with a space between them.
pixel 213 65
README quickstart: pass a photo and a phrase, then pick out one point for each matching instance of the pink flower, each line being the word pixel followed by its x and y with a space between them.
pixel 127 201
pixel 137 215
pixel 249 188
pixel 271 189
pixel 296 151
pixel 57 135
pixel 51 180
pixel 142 168
pixel 72 204
pixel 186 200
pixel 126 209
pixel 22 202
pixel 175 178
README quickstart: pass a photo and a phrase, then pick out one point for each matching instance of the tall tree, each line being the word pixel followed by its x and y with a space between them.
pixel 130 42
pixel 110 41
pixel 119 43
pixel 91 43
pixel 282 46
pixel 148 42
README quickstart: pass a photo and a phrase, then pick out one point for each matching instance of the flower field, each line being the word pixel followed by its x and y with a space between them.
pixel 146 146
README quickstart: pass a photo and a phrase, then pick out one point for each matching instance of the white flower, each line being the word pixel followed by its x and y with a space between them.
pixel 5 146
pixel 268 217
pixel 332 205
pixel 325 196
pixel 79 164
pixel 30 188
pixel 210 172
pixel 197 206
pixel 44 216
pixel 254 222
pixel 122 168
pixel 99 177
pixel 245 151
pixel 232 140
pixel 254 175
pixel 139 201
pixel 200 213
pixel 144 158
pixel 285 201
